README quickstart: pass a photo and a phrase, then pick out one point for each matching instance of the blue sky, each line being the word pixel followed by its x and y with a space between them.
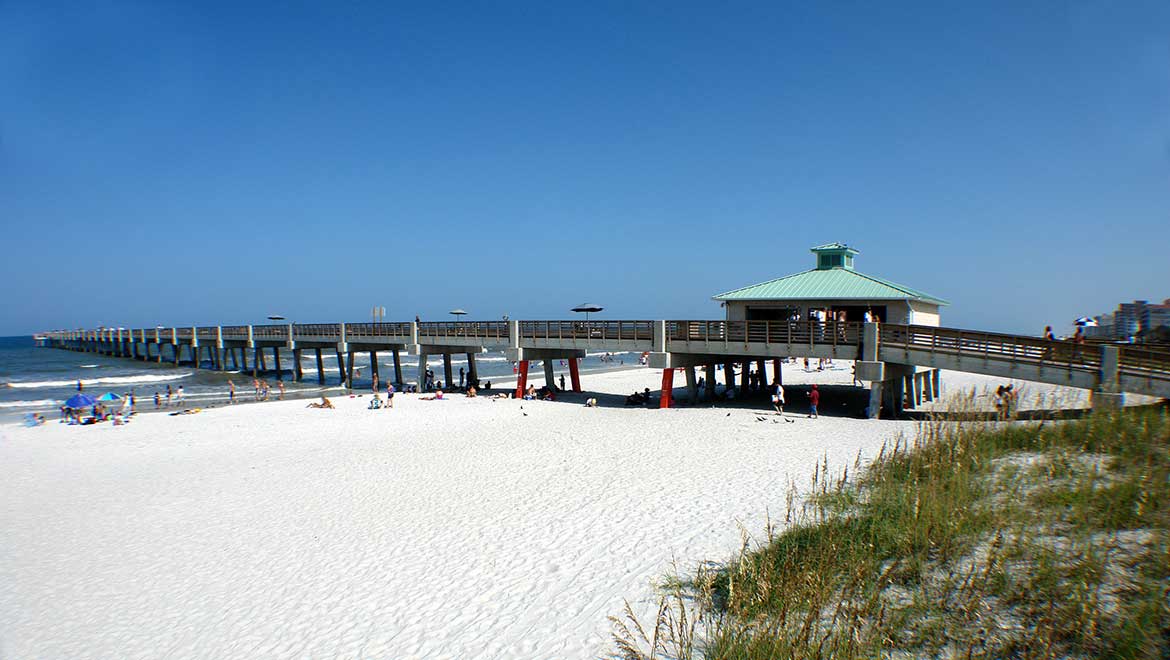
pixel 206 162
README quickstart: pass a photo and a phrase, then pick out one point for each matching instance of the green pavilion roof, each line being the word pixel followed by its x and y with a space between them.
pixel 829 284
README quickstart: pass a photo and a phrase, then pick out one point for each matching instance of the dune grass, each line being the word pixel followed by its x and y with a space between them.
pixel 973 540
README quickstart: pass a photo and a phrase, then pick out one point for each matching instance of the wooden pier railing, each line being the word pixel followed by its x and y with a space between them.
pixel 587 330
pixel 991 346
pixel 1145 363
pixel 809 332
pixel 369 330
pixel 497 330
pixel 1142 368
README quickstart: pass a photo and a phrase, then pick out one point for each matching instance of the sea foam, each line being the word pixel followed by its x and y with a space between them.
pixel 108 380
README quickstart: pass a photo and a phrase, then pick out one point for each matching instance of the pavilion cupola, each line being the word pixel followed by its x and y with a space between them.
pixel 834 255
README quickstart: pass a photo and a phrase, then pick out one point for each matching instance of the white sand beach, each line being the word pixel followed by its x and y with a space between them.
pixel 466 528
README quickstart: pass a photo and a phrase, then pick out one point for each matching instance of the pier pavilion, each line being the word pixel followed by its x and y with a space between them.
pixel 835 292
pixel 832 290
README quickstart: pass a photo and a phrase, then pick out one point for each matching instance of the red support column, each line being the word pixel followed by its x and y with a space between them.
pixel 522 379
pixel 574 375
pixel 667 388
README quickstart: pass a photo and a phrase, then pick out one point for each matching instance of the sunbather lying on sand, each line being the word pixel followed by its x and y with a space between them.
pixel 325 403
pixel 438 396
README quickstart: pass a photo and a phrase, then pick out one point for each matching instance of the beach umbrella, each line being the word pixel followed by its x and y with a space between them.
pixel 109 396
pixel 1086 322
pixel 457 312
pixel 587 308
pixel 79 401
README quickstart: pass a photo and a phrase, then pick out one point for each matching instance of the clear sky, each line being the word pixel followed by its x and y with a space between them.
pixel 207 162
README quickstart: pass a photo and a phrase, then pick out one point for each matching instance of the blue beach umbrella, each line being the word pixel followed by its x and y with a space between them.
pixel 109 396
pixel 79 401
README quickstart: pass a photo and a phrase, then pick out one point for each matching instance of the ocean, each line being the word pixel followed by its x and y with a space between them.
pixel 34 379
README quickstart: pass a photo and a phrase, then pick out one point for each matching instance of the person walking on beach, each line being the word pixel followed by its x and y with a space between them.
pixel 778 397
pixel 389 395
pixel 814 398
pixel 79 385
pixel 375 381
pixel 179 396
pixel 231 392
pixel 280 390
pixel 460 376
pixel 169 393
pixel 562 382
pixel 157 401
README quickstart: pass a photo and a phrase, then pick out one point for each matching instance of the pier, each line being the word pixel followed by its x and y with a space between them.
pixel 898 363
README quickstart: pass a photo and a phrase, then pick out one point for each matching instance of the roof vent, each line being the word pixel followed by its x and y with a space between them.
pixel 834 255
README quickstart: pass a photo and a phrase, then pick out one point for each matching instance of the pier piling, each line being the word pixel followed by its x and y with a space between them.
pixel 422 370
pixel 472 372
pixel 549 375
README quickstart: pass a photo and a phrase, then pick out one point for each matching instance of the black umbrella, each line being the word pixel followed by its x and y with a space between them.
pixel 587 307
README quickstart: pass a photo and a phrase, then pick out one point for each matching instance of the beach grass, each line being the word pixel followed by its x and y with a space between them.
pixel 974 539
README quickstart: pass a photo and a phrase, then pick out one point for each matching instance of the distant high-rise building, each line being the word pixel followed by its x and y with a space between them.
pixel 1131 319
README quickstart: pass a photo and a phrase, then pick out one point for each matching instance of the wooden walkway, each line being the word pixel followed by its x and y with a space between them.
pixel 886 353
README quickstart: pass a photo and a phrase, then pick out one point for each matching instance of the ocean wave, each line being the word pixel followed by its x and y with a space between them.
pixel 108 380
pixel 88 366
pixel 28 404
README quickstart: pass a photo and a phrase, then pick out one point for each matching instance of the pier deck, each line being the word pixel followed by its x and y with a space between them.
pixel 903 358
